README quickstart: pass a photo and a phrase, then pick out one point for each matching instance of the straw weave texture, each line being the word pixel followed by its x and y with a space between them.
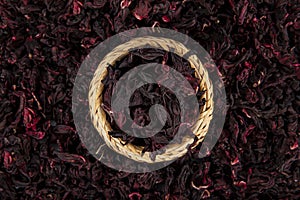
pixel 98 116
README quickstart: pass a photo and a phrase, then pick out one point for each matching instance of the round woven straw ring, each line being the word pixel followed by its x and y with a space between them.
pixel 103 126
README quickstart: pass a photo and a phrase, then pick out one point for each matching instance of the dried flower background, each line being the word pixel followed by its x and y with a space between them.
pixel 256 46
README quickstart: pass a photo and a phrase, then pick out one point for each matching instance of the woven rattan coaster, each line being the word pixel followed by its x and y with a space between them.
pixel 103 126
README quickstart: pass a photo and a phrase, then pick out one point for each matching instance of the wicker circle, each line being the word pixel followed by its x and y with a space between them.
pixel 103 126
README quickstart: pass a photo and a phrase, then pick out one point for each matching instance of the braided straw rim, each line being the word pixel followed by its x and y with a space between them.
pixel 103 126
